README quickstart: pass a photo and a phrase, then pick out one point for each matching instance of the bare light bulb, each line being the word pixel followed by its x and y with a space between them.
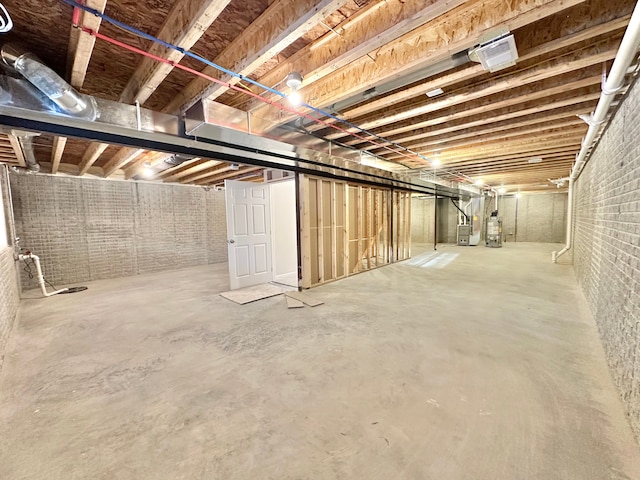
pixel 147 170
pixel 294 98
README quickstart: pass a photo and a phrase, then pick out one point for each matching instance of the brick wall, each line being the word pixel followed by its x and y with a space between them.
pixel 9 293
pixel 606 251
pixel 88 229
pixel 9 296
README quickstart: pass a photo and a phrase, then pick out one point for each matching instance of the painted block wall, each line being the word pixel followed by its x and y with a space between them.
pixel 422 220
pixel 9 297
pixel 534 217
pixel 606 252
pixel 89 229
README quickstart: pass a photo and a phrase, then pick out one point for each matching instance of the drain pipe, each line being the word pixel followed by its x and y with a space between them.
pixel 615 83
pixel 567 246
pixel 23 257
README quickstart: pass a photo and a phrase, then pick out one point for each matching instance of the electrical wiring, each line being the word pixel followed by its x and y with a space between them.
pixel 230 86
pixel 400 149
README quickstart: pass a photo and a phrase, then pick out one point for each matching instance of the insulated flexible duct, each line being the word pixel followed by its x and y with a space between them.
pixel 67 98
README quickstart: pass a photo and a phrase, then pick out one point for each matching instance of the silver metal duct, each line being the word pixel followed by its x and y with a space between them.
pixel 67 98
pixel 26 143
pixel 173 161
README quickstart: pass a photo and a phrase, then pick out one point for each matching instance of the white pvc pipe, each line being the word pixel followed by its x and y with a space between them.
pixel 626 54
pixel 36 261
pixel 555 255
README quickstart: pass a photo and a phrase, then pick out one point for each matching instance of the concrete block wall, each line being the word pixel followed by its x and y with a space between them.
pixel 606 252
pixel 88 229
pixel 531 218
pixel 9 291
pixel 422 220
pixel 534 217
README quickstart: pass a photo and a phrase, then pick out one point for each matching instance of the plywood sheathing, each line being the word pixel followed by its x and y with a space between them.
pixel 229 25
pixel 234 98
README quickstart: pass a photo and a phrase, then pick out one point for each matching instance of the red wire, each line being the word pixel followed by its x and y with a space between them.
pixel 233 87
pixel 76 14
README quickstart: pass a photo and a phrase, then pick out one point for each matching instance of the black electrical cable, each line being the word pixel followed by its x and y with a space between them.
pixel 465 215
pixel 29 272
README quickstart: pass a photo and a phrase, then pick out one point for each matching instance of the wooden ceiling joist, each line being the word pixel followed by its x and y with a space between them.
pixel 577 129
pixel 366 31
pixel 81 43
pixel 515 160
pixel 17 150
pixel 281 24
pixel 463 26
pixel 482 124
pixel 583 103
pixel 527 148
pixel 56 153
pixel 474 70
pixel 209 172
pixel 520 107
pixel 121 158
pixel 183 27
pixel 539 131
pixel 175 174
pixel 91 154
pixel 227 174
pixel 577 68
pixel 435 139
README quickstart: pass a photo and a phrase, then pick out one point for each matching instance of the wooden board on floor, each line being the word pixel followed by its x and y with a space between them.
pixel 304 298
pixel 254 293
pixel 293 303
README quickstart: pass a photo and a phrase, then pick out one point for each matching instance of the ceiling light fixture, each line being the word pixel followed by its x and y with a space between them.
pixel 294 80
pixel 501 190
pixel 496 53
pixel 435 93
pixel 534 160
pixel 479 182
pixel 435 162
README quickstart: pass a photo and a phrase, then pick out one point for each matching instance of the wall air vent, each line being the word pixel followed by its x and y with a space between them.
pixel 497 53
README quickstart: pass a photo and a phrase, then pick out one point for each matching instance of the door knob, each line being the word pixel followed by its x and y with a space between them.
pixel 232 241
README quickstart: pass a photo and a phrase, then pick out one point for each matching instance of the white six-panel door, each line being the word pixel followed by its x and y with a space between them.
pixel 248 233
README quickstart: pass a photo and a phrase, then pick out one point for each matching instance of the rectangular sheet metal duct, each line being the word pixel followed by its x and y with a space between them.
pixel 118 125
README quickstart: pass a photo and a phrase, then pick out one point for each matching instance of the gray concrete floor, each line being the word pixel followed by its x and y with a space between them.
pixel 476 364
